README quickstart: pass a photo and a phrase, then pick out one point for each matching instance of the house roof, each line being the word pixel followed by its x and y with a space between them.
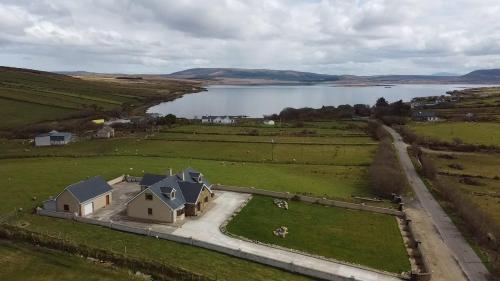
pixel 150 179
pixel 424 114
pixel 168 183
pixel 191 175
pixel 56 134
pixel 88 189
pixel 191 191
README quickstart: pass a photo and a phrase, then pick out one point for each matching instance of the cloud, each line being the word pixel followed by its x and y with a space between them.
pixel 336 36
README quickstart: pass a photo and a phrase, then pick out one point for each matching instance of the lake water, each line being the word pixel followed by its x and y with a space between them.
pixel 255 101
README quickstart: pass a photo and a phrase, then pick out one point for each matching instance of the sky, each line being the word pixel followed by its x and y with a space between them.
pixel 361 37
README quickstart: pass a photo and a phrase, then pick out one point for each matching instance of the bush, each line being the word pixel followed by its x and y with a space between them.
pixel 428 168
pixel 385 172
pixel 456 166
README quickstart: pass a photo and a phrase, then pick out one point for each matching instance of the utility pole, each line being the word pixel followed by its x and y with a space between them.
pixel 272 150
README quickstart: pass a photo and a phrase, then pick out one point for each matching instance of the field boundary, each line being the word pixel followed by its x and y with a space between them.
pixel 261 142
pixel 309 199
pixel 291 267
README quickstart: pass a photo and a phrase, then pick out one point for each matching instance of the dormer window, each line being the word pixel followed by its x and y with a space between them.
pixel 168 192
pixel 172 194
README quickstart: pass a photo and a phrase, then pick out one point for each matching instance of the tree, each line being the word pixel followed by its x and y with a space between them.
pixel 381 102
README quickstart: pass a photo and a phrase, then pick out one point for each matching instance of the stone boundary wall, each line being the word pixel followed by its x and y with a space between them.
pixel 116 180
pixel 218 248
pixel 420 256
pixel 309 199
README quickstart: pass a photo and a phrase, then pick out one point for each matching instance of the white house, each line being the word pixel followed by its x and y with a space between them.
pixel 105 132
pixel 269 122
pixel 53 138
pixel 217 120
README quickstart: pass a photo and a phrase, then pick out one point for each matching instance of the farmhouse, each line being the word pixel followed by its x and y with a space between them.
pixel 105 132
pixel 84 197
pixel 217 120
pixel 171 198
pixel 53 138
pixel 424 116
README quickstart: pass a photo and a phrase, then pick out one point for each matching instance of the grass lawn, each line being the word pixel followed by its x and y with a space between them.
pixel 468 132
pixel 357 155
pixel 13 113
pixel 481 164
pixel 24 262
pixel 48 176
pixel 348 235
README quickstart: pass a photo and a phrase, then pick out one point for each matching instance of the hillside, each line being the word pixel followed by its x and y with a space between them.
pixel 29 96
pixel 252 74
pixel 267 76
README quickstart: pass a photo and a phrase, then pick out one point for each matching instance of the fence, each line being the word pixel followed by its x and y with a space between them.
pixel 420 257
pixel 309 199
pixel 292 267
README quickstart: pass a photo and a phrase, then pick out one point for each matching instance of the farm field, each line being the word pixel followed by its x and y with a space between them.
pixel 468 132
pixel 348 235
pixel 13 113
pixel 51 175
pixel 45 265
pixel 52 96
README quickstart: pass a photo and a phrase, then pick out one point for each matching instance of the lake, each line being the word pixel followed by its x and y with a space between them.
pixel 255 101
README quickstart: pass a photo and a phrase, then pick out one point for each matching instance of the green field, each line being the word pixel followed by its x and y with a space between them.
pixel 49 96
pixel 348 235
pixel 49 176
pixel 25 263
pixel 468 132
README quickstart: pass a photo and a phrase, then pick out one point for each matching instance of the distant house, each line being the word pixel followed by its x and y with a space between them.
pixel 105 132
pixel 84 197
pixel 217 120
pixel 269 122
pixel 171 198
pixel 53 138
pixel 117 121
pixel 424 116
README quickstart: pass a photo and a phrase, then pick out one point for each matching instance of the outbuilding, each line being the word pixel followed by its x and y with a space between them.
pixel 53 138
pixel 84 197
pixel 105 132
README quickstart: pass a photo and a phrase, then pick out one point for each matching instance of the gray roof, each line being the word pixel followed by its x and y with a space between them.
pixel 191 175
pixel 191 191
pixel 88 189
pixel 165 184
pixel 65 135
pixel 150 179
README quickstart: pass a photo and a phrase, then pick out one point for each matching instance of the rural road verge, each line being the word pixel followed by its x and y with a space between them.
pixel 449 254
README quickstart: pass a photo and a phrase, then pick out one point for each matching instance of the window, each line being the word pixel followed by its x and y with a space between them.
pixel 149 196
pixel 150 211
pixel 66 207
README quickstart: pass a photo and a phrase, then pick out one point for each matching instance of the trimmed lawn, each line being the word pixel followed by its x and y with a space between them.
pixel 24 262
pixel 348 235
pixel 468 132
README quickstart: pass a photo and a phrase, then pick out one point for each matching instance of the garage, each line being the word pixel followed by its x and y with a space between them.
pixel 88 209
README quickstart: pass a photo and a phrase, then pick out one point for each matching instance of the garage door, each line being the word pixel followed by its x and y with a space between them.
pixel 88 208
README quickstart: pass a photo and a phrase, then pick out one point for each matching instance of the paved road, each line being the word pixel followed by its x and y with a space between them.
pixel 455 243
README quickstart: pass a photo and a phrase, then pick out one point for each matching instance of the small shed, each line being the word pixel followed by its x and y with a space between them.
pixel 105 132
pixel 84 197
pixel 53 138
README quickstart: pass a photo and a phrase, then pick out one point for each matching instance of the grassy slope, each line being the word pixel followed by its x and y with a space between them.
pixel 40 90
pixel 472 133
pixel 14 113
pixel 348 235
pixel 26 263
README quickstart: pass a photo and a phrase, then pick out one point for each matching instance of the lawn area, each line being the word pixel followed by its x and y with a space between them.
pixel 48 176
pixel 348 235
pixel 356 155
pixel 476 164
pixel 13 113
pixel 468 132
pixel 24 262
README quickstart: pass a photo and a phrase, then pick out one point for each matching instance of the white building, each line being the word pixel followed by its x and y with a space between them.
pixel 53 138
pixel 269 122
pixel 217 120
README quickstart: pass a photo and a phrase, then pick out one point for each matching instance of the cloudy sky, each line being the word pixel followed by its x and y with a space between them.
pixel 335 37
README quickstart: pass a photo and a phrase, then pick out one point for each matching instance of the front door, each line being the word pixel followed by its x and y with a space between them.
pixel 107 199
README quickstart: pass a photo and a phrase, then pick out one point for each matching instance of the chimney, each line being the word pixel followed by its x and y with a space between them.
pixel 170 171
pixel 183 176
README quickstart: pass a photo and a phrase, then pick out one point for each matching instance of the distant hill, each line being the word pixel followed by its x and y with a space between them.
pixel 252 74
pixel 268 76
pixel 483 76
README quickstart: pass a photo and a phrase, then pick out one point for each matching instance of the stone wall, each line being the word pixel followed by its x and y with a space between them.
pixel 309 199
